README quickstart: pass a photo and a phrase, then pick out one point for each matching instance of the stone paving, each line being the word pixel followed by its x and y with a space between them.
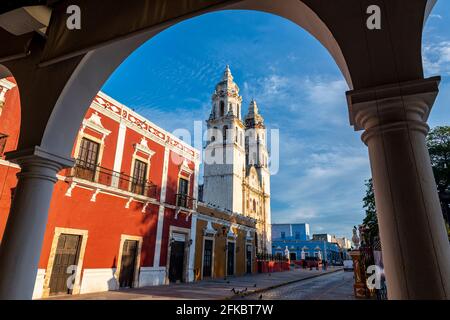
pixel 208 289
pixel 334 286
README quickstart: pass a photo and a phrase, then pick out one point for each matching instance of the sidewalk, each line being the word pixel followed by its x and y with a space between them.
pixel 206 289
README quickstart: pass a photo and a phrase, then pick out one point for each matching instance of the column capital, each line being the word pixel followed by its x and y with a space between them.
pixel 398 106
pixel 38 163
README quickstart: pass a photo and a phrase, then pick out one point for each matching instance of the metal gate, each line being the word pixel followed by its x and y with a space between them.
pixel 207 259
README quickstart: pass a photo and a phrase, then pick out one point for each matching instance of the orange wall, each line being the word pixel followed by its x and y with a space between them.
pixel 10 117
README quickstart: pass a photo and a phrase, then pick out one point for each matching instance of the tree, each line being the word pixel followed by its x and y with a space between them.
pixel 438 142
pixel 371 220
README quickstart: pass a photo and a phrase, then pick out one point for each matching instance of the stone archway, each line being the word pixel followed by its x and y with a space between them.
pixel 390 100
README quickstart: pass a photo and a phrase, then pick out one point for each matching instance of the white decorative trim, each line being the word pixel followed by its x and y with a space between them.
pixel 107 105
pixel 5 86
pixel 98 280
pixel 185 167
pixel 160 223
pixel 151 276
pixel 94 122
pixel 39 284
pixel 9 164
pixel 117 167
pixel 144 208
pixel 72 185
pixel 94 195
pixel 127 205
pixel 209 230
pixel 113 191
pixel 143 147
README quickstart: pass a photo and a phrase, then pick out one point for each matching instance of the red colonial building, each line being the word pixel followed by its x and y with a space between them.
pixel 121 217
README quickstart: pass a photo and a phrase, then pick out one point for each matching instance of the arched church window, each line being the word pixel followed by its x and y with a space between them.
pixel 222 108
pixel 238 111
pixel 254 205
pixel 237 135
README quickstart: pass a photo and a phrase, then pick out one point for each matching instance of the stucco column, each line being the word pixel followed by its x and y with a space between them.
pixel 22 241
pixel 192 247
pixel 416 251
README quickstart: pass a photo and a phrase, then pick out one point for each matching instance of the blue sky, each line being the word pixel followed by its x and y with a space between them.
pixel 299 90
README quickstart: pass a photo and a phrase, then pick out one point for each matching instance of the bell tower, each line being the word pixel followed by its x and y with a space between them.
pixel 224 167
pixel 257 156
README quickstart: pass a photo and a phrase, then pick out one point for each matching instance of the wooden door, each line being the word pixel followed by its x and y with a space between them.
pixel 230 259
pixel 207 258
pixel 249 258
pixel 176 261
pixel 66 255
pixel 128 263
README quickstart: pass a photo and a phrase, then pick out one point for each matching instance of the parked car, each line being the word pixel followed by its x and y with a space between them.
pixel 348 265
pixel 313 262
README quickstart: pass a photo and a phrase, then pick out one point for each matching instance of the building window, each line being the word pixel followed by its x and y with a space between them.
pixel 182 196
pixel 86 164
pixel 237 135
pixel 222 108
pixel 3 138
pixel 283 235
pixel 297 235
pixel 225 129
pixel 139 177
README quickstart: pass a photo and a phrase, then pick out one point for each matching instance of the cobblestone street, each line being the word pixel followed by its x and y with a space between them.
pixel 334 286
pixel 233 288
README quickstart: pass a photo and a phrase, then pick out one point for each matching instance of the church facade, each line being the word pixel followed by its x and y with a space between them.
pixel 236 166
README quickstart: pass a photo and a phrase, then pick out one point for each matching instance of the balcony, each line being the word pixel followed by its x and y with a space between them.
pixel 97 174
pixel 184 201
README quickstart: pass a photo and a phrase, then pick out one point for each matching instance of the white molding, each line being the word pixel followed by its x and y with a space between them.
pixel 164 142
pixel 9 164
pixel 94 123
pixel 162 199
pixel 39 284
pixel 118 157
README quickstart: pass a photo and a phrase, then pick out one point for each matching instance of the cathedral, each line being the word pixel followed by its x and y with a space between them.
pixel 236 172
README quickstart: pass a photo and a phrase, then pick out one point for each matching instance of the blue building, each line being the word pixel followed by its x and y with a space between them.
pixel 297 231
pixel 297 239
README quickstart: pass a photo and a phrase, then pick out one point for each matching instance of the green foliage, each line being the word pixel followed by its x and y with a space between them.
pixel 371 220
pixel 438 142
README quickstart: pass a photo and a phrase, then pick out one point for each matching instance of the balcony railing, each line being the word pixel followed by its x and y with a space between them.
pixel 184 201
pixel 95 173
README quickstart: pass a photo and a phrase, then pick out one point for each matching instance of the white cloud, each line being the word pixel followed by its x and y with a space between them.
pixel 436 58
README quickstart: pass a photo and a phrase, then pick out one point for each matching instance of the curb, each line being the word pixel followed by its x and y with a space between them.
pixel 261 290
